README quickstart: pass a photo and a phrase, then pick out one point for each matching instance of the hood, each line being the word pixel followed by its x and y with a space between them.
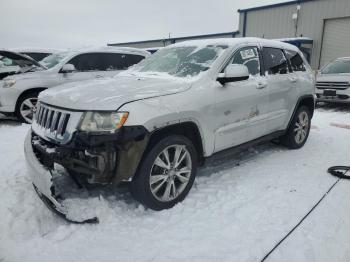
pixel 12 63
pixel 110 93
pixel 333 78
pixel 20 59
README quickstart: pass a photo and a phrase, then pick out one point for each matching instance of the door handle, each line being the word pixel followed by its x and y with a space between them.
pixel 261 85
pixel 99 76
pixel 293 79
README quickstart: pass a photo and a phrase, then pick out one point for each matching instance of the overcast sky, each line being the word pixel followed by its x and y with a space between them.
pixel 74 23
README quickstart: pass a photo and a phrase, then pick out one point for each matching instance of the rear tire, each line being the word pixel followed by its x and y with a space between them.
pixel 166 174
pixel 299 129
pixel 26 107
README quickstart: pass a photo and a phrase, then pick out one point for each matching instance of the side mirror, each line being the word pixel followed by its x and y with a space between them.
pixel 234 73
pixel 67 68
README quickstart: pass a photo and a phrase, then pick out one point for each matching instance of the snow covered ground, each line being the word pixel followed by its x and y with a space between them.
pixel 233 213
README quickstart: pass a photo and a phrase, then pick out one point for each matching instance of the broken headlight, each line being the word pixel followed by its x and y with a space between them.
pixel 103 121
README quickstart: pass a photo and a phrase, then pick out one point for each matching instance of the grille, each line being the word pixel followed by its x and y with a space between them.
pixel 55 124
pixel 52 119
pixel 333 85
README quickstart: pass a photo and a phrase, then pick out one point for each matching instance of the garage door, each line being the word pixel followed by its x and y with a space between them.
pixel 336 39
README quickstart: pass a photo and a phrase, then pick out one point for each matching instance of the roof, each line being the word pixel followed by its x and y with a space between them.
pixel 174 39
pixel 235 41
pixel 273 5
pixel 111 49
pixel 36 50
pixel 295 40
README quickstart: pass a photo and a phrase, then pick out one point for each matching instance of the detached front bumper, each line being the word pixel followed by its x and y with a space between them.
pixel 60 171
pixel 42 179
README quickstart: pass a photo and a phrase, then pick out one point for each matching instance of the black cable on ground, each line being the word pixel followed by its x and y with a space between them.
pixel 340 172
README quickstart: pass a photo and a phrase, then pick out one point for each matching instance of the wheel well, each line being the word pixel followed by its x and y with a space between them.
pixel 187 129
pixel 309 102
pixel 26 92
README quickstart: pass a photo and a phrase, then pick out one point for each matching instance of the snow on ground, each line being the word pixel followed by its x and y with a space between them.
pixel 233 213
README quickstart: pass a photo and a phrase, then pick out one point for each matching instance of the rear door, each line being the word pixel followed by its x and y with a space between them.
pixel 241 106
pixel 113 63
pixel 282 88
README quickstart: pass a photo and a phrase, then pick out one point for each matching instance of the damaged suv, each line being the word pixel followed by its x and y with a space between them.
pixel 154 124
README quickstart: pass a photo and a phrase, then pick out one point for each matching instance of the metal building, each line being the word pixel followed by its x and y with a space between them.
pixel 320 28
pixel 325 22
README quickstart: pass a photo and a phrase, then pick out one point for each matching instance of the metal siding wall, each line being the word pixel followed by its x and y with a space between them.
pixel 278 23
pixel 271 23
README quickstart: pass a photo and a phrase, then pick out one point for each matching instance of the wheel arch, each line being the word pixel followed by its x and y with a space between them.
pixel 188 129
pixel 28 91
pixel 306 100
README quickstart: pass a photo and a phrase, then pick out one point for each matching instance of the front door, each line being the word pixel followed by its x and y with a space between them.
pixel 87 66
pixel 242 106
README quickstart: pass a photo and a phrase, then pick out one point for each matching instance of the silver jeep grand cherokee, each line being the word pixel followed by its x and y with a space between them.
pixel 153 124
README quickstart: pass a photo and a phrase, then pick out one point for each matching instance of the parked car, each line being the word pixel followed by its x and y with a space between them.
pixel 37 54
pixel 19 92
pixel 333 82
pixel 155 123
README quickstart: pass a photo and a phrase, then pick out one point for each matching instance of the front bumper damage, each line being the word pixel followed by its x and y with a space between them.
pixel 91 159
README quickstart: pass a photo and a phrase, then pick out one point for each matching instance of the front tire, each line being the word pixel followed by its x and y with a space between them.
pixel 299 129
pixel 166 174
pixel 26 107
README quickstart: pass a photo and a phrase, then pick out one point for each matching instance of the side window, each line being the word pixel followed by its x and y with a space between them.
pixel 248 56
pixel 113 61
pixel 134 59
pixel 275 61
pixel 86 62
pixel 295 60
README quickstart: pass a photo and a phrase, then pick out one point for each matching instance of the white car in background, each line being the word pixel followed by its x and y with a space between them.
pixel 333 82
pixel 19 92
pixel 37 54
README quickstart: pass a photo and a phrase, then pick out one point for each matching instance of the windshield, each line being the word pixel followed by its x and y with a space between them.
pixel 54 59
pixel 337 67
pixel 185 61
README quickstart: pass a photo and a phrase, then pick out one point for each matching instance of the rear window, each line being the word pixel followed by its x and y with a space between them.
pixel 275 61
pixel 295 60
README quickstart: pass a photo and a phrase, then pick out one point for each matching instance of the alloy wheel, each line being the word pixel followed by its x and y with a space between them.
pixel 27 109
pixel 301 127
pixel 170 173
